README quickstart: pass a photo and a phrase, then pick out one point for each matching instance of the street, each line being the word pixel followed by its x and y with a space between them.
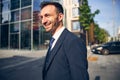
pixel 20 68
pixel 101 67
pixel 105 67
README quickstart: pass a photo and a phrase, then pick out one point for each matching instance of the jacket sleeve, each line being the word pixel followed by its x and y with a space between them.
pixel 77 58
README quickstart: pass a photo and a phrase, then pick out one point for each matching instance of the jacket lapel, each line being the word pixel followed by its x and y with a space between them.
pixel 56 47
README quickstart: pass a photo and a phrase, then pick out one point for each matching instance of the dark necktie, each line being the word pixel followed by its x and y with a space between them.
pixel 49 49
pixel 50 44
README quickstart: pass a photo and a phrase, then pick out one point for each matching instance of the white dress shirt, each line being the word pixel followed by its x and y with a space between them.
pixel 57 35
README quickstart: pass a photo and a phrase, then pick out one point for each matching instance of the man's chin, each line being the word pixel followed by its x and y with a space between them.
pixel 47 30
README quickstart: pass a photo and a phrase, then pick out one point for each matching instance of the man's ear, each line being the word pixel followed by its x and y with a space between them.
pixel 60 16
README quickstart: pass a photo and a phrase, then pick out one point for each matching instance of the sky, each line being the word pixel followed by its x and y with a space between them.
pixel 109 16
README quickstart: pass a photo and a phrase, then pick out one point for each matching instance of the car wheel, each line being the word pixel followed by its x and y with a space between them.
pixel 105 52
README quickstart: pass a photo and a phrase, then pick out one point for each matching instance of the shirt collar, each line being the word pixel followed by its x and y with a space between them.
pixel 58 33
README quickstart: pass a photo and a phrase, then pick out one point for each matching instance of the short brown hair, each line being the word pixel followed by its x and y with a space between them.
pixel 56 4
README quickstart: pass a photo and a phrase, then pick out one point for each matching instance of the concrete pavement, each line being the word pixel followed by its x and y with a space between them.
pixel 25 53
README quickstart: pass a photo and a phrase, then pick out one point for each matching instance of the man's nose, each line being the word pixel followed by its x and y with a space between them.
pixel 44 20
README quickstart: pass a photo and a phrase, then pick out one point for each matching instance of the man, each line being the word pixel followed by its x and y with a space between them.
pixel 67 58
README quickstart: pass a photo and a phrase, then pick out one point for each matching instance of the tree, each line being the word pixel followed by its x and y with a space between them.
pixel 101 34
pixel 86 18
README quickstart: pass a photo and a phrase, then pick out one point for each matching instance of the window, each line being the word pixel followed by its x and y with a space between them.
pixel 26 35
pixel 36 5
pixel 26 13
pixel 5 6
pixel 75 12
pixel 15 16
pixel 4 35
pixel 60 1
pixel 75 25
pixel 0 7
pixel 5 17
pixel 75 1
pixel 16 4
pixel 14 41
pixel 14 27
pixel 25 3
pixel 0 18
pixel 25 26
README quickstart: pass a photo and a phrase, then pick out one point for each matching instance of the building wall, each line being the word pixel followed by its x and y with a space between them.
pixel 20 27
pixel 72 15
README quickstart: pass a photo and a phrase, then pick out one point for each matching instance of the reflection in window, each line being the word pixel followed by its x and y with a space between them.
pixel 14 41
pixel 36 22
pixel 60 1
pixel 26 35
pixel 0 18
pixel 15 16
pixel 36 5
pixel 5 6
pixel 26 13
pixel 75 1
pixel 5 17
pixel 76 25
pixel 16 4
pixel 26 25
pixel 4 35
pixel 1 7
pixel 14 27
pixel 75 12
pixel 25 3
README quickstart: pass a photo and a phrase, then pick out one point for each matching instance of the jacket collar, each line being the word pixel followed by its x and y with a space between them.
pixel 56 47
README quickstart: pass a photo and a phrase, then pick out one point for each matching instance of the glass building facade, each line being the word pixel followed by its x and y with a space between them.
pixel 20 27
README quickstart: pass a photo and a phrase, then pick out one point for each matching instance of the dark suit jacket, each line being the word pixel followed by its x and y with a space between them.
pixel 68 59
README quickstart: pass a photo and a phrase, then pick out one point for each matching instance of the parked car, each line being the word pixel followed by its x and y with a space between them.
pixel 107 48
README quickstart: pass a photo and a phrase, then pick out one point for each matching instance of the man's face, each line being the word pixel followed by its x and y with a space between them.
pixel 49 18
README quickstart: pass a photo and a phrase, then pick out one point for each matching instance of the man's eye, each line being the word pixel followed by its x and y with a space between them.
pixel 47 15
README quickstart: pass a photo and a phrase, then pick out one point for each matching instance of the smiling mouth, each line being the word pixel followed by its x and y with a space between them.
pixel 47 27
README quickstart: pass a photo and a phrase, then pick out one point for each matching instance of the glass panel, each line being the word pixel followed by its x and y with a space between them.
pixel 36 5
pixel 0 18
pixel 14 28
pixel 5 17
pixel 75 12
pixel 26 13
pixel 60 1
pixel 14 41
pixel 16 4
pixel 5 6
pixel 1 7
pixel 26 3
pixel 4 36
pixel 0 36
pixel 26 35
pixel 75 1
pixel 3 0
pixel 15 16
pixel 40 38
pixel 76 25
pixel 36 39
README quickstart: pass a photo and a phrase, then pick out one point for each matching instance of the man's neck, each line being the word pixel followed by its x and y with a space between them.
pixel 57 29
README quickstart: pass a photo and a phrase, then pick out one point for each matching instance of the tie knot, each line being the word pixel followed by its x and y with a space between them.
pixel 51 41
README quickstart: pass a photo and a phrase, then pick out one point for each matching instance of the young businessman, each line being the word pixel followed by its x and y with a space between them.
pixel 66 58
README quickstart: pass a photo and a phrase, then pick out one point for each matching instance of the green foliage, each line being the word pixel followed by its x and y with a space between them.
pixel 101 34
pixel 86 17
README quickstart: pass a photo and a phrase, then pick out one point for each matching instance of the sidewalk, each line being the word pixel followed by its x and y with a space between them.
pixel 25 53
